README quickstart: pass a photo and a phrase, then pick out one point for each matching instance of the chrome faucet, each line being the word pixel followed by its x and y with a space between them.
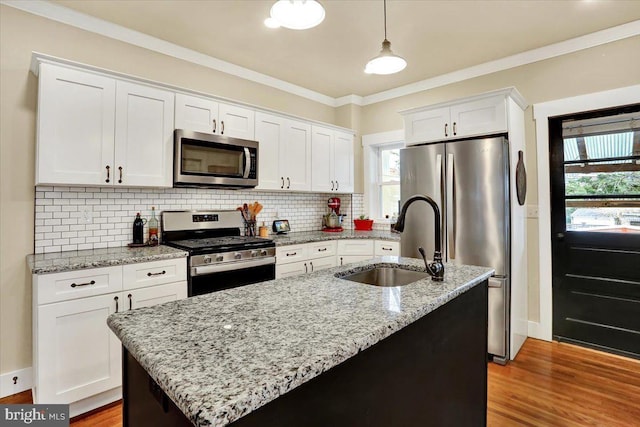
pixel 436 268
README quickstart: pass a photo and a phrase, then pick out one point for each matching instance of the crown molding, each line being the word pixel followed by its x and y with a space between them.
pixel 107 29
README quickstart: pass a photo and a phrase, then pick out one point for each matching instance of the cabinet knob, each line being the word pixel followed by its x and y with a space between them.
pixel 108 169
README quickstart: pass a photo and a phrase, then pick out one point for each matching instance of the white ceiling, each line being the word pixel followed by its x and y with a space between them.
pixel 436 37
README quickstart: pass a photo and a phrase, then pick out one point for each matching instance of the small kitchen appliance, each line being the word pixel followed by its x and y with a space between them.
pixel 332 222
pixel 219 256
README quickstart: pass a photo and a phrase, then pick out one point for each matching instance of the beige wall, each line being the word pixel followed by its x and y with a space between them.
pixel 20 34
pixel 610 66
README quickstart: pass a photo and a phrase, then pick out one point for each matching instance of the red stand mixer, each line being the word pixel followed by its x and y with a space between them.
pixel 332 222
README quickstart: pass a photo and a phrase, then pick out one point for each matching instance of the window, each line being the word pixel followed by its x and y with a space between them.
pixel 602 174
pixel 382 173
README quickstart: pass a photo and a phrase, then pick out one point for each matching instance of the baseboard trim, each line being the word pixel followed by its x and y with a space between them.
pixel 24 381
pixel 535 331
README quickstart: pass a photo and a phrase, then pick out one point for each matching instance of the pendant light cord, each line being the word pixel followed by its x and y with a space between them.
pixel 385 19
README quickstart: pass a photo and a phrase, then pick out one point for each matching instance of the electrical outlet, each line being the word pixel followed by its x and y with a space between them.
pixel 86 215
pixel 532 211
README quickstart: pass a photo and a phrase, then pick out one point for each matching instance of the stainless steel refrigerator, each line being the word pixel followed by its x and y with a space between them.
pixel 469 180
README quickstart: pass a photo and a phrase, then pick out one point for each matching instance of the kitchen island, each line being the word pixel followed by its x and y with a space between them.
pixel 312 350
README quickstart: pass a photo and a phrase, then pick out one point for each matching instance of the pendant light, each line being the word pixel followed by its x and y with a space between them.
pixel 386 62
pixel 295 14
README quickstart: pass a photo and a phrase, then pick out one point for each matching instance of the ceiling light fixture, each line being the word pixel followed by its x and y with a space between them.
pixel 296 14
pixel 386 62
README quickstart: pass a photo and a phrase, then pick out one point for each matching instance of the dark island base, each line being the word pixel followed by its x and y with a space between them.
pixel 431 373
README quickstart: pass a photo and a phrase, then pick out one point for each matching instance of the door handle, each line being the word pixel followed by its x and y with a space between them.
pixel 445 129
pixel 332 186
pixel 282 185
pixel 337 185
pixel 247 163
pixel 214 126
pixel 288 183
pixel 108 169
pixel 451 201
pixel 120 170
pixel 116 300
pixel 311 264
pixel 221 127
pixel 455 132
pixel 130 302
pixel 306 270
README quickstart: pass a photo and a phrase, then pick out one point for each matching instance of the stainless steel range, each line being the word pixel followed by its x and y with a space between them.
pixel 219 256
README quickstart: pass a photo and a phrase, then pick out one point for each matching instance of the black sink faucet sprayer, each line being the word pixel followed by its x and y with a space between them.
pixel 436 268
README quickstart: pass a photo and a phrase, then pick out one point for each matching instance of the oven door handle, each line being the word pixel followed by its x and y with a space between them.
pixel 209 269
pixel 247 163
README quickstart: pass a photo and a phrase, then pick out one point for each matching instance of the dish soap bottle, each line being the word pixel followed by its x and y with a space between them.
pixel 153 228
pixel 138 230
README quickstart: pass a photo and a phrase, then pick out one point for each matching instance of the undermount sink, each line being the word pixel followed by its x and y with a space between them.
pixel 386 276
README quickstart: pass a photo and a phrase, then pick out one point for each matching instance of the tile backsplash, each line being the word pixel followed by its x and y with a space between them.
pixel 75 218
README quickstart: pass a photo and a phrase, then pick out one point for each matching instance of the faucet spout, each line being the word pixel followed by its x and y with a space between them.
pixel 436 268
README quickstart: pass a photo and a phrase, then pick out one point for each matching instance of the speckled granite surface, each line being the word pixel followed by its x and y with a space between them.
pixel 58 262
pixel 222 355
pixel 318 236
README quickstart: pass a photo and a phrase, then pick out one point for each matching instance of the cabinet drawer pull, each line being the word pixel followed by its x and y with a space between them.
pixel 455 132
pixel 156 274
pixel 120 169
pixel 214 126
pixel 108 169
pixel 387 249
pixel 75 285
pixel 322 250
pixel 445 129
pixel 292 254
pixel 130 301
pixel 116 300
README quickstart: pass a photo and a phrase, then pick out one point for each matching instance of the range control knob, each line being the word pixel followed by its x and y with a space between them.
pixel 254 254
pixel 263 252
pixel 237 255
pixel 219 258
pixel 206 259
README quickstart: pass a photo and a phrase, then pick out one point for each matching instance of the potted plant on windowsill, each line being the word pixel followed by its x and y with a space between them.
pixel 363 223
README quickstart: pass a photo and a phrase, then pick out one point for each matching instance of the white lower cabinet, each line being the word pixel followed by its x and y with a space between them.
pixel 76 357
pixel 306 258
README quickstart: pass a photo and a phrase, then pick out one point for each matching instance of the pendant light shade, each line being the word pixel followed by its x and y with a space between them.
pixel 297 14
pixel 386 62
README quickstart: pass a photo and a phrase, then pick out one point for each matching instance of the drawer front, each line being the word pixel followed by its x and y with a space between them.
pixel 318 264
pixel 355 247
pixel 349 259
pixel 153 273
pixel 292 253
pixel 387 248
pixel 322 249
pixel 291 269
pixel 76 284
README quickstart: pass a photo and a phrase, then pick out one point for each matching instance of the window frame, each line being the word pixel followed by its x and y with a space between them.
pixel 372 145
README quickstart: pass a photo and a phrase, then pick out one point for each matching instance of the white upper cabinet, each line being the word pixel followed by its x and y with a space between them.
pixel 196 114
pixel 94 130
pixel 209 116
pixel 284 157
pixel 76 124
pixel 144 136
pixel 481 115
pixel 332 154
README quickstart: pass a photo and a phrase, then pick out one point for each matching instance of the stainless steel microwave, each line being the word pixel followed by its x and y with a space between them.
pixel 205 160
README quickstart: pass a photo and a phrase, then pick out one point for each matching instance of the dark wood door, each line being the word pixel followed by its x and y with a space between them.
pixel 595 225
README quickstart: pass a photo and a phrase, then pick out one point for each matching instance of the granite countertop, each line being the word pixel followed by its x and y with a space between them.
pixel 57 262
pixel 318 236
pixel 222 355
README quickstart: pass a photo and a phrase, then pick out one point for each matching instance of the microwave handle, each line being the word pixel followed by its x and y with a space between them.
pixel 247 163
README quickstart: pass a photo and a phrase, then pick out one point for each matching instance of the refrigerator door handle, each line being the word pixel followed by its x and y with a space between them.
pixel 451 201
pixel 438 173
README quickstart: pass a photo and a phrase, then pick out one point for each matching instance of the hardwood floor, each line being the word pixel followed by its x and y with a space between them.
pixel 549 384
